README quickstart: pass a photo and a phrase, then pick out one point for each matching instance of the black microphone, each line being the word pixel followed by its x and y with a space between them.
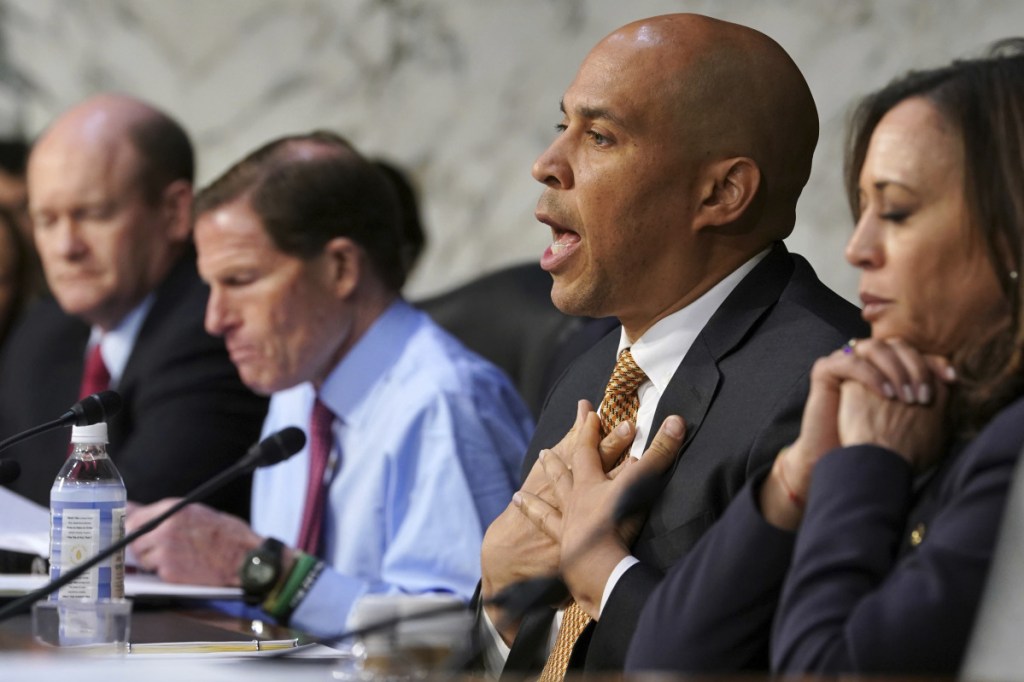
pixel 92 409
pixel 274 448
pixel 9 471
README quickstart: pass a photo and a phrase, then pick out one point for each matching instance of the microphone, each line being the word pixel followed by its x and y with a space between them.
pixel 9 471
pixel 274 448
pixel 92 409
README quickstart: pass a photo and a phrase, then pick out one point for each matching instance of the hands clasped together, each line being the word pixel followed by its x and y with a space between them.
pixel 564 520
pixel 870 391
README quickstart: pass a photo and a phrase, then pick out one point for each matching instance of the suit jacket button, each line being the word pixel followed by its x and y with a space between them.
pixel 917 535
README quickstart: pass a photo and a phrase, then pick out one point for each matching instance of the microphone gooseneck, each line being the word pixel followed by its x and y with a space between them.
pixel 91 409
pixel 272 449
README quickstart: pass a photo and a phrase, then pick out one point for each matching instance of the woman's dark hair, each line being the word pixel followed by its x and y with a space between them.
pixel 308 189
pixel 983 100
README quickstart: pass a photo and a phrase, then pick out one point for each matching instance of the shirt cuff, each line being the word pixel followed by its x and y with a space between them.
pixel 495 651
pixel 620 568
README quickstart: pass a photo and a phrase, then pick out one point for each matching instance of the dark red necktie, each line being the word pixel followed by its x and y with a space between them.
pixel 95 377
pixel 320 440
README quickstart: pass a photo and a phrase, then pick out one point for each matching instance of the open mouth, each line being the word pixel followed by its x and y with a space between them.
pixel 563 243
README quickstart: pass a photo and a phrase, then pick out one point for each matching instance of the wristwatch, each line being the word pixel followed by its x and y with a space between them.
pixel 261 570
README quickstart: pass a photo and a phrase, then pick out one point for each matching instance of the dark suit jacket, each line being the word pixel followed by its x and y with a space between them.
pixel 884 576
pixel 741 389
pixel 186 413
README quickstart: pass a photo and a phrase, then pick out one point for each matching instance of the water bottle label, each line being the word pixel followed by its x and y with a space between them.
pixel 83 529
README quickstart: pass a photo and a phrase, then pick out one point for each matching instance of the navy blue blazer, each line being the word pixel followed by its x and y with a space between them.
pixel 884 575
pixel 741 389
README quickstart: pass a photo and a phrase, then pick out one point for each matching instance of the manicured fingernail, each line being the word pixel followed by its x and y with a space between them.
pixel 888 390
pixel 908 394
pixel 542 454
pixel 517 499
pixel 622 429
pixel 924 394
pixel 673 427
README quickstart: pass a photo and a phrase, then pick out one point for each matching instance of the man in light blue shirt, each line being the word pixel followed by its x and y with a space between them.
pixel 415 442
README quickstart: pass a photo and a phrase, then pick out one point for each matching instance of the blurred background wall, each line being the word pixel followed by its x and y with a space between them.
pixel 462 93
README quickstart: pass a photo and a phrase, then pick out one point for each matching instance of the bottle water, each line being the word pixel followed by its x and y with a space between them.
pixel 87 508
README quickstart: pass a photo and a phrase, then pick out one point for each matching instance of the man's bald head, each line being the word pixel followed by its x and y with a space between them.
pixel 110 196
pixel 683 147
pixel 164 149
pixel 734 92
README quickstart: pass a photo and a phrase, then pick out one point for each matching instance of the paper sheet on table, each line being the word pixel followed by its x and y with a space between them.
pixel 135 585
pixel 26 526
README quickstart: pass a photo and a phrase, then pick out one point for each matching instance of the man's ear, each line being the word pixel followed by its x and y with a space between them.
pixel 176 204
pixel 344 263
pixel 730 186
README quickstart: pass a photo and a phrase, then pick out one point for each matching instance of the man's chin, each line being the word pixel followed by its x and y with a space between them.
pixel 571 300
pixel 74 304
pixel 261 384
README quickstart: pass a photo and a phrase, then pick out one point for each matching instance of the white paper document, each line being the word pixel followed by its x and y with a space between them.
pixel 135 585
pixel 26 526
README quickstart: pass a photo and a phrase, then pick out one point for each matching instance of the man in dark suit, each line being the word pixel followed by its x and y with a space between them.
pixel 683 147
pixel 110 197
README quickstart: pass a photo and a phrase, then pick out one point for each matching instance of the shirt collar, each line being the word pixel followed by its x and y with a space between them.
pixel 351 381
pixel 116 345
pixel 662 347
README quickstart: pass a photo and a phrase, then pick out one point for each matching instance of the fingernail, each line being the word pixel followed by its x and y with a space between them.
pixel 924 394
pixel 517 499
pixel 542 454
pixel 950 373
pixel 673 427
pixel 622 429
pixel 888 390
pixel 908 394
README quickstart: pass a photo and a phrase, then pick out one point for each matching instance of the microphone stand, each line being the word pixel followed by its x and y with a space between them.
pixel 247 463
pixel 35 430
pixel 91 409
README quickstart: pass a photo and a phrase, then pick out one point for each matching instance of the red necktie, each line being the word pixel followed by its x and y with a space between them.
pixel 320 439
pixel 95 377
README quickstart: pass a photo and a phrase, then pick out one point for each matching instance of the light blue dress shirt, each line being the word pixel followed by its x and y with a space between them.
pixel 428 439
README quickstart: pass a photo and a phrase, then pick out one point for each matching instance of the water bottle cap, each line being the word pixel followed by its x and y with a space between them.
pixel 94 433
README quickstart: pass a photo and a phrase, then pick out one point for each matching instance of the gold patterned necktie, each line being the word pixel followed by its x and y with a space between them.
pixel 620 404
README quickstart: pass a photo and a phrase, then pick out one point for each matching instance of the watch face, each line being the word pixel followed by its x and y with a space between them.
pixel 261 572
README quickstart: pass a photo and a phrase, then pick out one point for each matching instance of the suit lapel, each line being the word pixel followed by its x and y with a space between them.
pixel 693 386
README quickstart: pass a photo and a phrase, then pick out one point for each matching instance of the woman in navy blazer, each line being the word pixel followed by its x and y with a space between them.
pixel 865 547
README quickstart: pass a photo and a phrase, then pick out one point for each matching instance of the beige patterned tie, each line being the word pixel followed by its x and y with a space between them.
pixel 620 404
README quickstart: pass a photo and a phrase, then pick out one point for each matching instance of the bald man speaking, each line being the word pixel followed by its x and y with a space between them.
pixel 682 147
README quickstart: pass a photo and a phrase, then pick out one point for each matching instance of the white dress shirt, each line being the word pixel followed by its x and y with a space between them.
pixel 116 345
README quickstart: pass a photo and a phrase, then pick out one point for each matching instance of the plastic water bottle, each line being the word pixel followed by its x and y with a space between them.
pixel 87 508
